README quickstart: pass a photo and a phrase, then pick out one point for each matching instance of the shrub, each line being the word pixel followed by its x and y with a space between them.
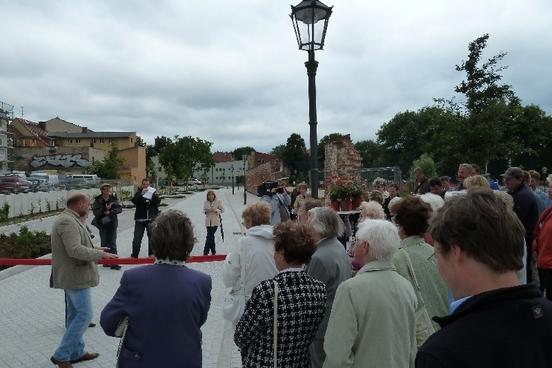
pixel 26 244
pixel 4 211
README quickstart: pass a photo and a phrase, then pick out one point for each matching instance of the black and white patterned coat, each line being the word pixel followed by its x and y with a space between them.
pixel 301 306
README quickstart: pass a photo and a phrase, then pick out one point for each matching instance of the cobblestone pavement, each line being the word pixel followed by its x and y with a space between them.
pixel 31 314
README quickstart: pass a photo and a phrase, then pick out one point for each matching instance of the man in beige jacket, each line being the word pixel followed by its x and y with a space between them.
pixel 74 270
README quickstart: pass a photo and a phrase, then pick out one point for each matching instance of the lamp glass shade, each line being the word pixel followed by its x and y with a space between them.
pixel 310 21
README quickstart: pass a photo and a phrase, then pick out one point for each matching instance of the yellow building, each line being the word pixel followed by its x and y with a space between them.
pixel 57 135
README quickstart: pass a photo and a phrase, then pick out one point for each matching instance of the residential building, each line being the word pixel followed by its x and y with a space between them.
pixel 67 147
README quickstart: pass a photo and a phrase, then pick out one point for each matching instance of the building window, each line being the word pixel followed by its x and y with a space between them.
pixel 131 140
pixel 101 140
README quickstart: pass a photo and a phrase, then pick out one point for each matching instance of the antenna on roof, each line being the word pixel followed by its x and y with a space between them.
pixel 22 112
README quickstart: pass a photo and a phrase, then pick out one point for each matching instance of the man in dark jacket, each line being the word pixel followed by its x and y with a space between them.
pixel 106 207
pixel 525 207
pixel 422 183
pixel 147 208
pixel 495 322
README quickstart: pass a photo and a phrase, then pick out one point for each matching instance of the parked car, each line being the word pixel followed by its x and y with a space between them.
pixel 50 179
pixel 194 181
pixel 77 181
pixel 39 184
pixel 14 184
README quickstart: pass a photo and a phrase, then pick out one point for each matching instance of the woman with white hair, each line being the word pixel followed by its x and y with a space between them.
pixel 372 322
pixel 371 210
pixel 434 200
pixel 328 264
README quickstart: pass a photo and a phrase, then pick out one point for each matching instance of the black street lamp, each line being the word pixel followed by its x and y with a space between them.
pixel 244 181
pixel 310 21
pixel 232 179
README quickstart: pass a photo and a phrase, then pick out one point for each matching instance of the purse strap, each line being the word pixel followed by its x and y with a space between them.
pixel 413 275
pixel 275 325
pixel 124 323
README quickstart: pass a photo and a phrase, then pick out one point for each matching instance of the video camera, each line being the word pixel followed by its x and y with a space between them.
pixel 266 188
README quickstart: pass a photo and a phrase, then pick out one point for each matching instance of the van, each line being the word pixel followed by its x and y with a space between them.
pixel 51 180
pixel 82 180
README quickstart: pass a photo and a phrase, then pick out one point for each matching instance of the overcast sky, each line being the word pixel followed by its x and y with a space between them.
pixel 230 71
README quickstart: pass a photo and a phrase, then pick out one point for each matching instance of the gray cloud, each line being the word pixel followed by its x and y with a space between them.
pixel 230 72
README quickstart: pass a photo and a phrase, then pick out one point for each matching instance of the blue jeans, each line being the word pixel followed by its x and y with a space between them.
pixel 79 315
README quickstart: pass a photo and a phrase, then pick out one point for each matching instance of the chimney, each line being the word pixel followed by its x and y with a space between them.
pixel 85 129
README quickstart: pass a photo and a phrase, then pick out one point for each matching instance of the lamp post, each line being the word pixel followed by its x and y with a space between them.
pixel 232 178
pixel 310 22
pixel 244 187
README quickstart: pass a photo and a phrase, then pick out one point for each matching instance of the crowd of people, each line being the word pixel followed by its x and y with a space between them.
pixel 443 276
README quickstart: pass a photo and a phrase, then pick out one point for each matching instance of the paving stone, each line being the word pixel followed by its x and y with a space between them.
pixel 31 313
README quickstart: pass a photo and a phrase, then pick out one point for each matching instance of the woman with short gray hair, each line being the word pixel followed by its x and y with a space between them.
pixel 326 222
pixel 372 322
pixel 328 264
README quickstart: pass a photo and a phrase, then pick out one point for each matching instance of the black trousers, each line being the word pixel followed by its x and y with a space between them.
pixel 210 241
pixel 108 238
pixel 139 227
pixel 545 276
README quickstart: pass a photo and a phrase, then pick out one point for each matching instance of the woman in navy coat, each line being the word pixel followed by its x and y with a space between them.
pixel 166 303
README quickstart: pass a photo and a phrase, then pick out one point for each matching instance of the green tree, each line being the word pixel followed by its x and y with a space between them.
pixel 278 151
pixel 426 163
pixel 370 151
pixel 482 85
pixel 182 155
pixel 240 151
pixel 109 167
pixel 295 156
pixel 140 142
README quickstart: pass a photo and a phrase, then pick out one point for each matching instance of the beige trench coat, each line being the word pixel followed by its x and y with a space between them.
pixel 212 218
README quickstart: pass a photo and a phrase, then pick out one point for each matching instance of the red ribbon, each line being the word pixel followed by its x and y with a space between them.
pixel 107 261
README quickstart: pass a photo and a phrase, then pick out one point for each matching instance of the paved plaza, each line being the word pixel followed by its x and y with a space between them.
pixel 32 314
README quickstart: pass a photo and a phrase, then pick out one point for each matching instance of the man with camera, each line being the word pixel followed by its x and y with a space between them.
pixel 277 196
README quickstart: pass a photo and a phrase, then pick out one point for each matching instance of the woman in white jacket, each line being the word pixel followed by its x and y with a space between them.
pixel 253 260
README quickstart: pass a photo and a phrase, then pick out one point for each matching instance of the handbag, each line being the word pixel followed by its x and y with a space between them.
pixel 234 305
pixel 105 220
pixel 275 325
pixel 121 331
pixel 234 302
pixel 424 325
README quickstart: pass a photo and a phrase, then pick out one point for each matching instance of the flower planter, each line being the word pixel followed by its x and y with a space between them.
pixel 346 205
pixel 335 205
pixel 356 202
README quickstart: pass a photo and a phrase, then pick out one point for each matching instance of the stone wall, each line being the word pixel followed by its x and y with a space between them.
pixel 342 159
pixel 271 170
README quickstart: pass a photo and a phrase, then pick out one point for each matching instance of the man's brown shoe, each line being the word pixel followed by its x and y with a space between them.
pixel 86 356
pixel 61 364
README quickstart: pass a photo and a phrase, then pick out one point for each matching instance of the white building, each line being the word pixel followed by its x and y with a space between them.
pixel 224 173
